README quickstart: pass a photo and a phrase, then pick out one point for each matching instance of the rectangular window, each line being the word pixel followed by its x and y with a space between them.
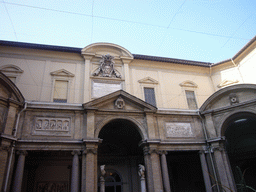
pixel 150 96
pixel 60 91
pixel 191 99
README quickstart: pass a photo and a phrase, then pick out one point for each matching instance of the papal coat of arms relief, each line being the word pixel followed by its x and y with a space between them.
pixel 106 68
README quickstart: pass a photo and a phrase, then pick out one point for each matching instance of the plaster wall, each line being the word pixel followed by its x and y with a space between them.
pixel 169 93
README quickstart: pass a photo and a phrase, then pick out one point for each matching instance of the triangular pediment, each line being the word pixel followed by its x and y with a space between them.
pixel 227 83
pixel 188 84
pixel 63 73
pixel 129 103
pixel 148 80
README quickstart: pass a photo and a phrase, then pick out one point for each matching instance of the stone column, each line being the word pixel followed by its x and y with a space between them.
pixel 75 171
pixel 207 181
pixel 17 184
pixel 83 176
pixel 91 168
pixel 164 166
pixel 102 184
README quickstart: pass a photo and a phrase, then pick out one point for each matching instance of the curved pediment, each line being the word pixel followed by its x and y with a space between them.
pixel 99 49
pixel 230 96
pixel 11 69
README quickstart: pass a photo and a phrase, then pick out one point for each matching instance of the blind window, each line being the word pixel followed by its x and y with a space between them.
pixel 150 96
pixel 191 99
pixel 60 91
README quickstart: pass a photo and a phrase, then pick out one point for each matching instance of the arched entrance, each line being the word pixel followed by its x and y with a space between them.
pixel 240 132
pixel 119 151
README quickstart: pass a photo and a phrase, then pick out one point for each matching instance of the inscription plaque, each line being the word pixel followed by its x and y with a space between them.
pixel 100 89
pixel 178 130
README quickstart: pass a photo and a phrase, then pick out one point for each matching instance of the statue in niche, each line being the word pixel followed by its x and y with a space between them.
pixel 106 68
pixel 102 170
pixel 141 171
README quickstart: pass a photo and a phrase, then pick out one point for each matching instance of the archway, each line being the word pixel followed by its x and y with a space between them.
pixel 119 151
pixel 240 132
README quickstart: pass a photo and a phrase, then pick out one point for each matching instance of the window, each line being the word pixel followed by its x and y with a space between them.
pixel 150 96
pixel 60 91
pixel 191 99
pixel 61 85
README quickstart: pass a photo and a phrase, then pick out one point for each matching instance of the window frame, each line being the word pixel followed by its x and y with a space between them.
pixel 62 75
pixel 189 86
pixel 149 82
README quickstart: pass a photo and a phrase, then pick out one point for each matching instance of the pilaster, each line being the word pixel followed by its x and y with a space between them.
pixel 91 168
pixel 87 75
pixel 151 125
pixel 11 118
pixel 153 169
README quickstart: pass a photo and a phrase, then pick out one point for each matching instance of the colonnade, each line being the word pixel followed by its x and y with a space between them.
pixel 157 175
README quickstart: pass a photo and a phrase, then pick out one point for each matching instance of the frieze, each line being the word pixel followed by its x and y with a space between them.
pixel 176 129
pixel 51 126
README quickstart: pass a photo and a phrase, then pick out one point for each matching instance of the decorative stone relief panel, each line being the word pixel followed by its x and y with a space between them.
pixel 52 126
pixel 176 129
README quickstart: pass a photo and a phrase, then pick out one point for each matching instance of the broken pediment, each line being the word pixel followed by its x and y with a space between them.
pixel 119 101
pixel 226 83
pixel 188 84
pixel 63 73
pixel 148 80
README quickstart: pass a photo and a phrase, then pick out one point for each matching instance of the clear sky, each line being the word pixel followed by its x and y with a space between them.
pixel 200 30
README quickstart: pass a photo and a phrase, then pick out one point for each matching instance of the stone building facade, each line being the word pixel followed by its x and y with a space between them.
pixel 78 119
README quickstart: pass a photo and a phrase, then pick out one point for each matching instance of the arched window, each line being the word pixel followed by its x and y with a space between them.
pixel 113 181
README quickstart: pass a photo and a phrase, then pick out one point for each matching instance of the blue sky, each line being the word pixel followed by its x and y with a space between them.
pixel 200 30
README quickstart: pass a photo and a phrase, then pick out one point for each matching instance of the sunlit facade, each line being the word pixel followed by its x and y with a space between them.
pixel 101 117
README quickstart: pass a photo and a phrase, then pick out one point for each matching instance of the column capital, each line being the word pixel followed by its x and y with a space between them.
pixel 90 150
pixel 22 152
pixel 163 152
pixel 148 151
pixel 75 152
pixel 5 148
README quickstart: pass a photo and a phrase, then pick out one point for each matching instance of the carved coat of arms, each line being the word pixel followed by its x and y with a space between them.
pixel 106 68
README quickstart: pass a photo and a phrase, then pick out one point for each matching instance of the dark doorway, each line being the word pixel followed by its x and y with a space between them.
pixel 119 151
pixel 47 171
pixel 185 172
pixel 241 148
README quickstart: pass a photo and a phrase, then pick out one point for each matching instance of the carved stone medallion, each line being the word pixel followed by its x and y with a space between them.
pixel 119 103
pixel 233 99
